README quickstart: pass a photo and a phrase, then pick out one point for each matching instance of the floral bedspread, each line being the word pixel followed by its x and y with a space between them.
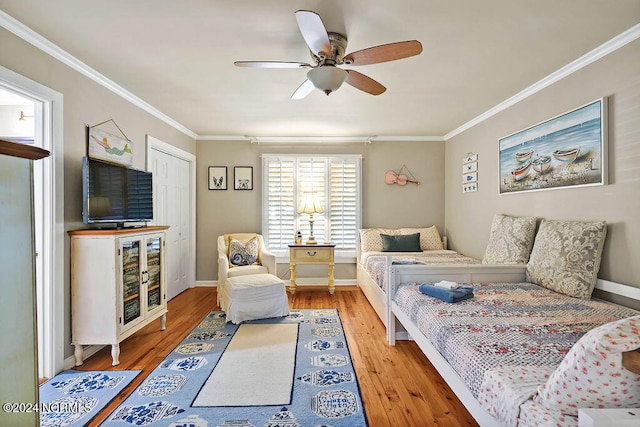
pixel 374 263
pixel 505 324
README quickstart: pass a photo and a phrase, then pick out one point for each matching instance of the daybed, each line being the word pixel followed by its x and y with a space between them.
pixel 378 264
pixel 529 352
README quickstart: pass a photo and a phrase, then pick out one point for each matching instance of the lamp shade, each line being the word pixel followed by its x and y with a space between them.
pixel 327 78
pixel 310 204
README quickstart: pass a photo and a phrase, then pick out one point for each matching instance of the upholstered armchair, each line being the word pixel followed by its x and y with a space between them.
pixel 241 254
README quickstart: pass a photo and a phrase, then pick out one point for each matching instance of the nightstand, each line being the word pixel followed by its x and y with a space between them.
pixel 312 254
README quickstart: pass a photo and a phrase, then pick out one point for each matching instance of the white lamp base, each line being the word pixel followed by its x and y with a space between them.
pixel 312 241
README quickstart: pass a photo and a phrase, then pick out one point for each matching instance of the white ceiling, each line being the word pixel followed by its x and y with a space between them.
pixel 178 57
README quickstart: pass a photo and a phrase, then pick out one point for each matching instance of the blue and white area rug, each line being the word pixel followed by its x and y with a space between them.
pixel 72 398
pixel 290 371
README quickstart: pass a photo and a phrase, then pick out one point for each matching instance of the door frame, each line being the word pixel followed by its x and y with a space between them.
pixel 49 108
pixel 153 143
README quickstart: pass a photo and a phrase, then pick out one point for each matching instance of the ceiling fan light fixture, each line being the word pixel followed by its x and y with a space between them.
pixel 327 78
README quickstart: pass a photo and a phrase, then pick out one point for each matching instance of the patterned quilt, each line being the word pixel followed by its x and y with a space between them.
pixel 504 324
pixel 374 263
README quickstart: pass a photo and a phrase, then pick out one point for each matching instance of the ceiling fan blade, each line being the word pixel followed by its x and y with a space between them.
pixel 364 83
pixel 314 32
pixel 384 53
pixel 271 64
pixel 303 90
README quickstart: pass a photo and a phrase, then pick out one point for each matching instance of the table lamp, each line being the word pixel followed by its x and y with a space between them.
pixel 310 205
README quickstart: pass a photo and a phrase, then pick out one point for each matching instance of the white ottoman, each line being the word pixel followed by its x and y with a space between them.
pixel 256 296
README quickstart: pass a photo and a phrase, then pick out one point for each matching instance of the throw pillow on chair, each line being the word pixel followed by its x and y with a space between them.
pixel 243 254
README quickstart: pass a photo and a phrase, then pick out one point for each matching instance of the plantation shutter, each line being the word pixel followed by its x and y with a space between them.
pixel 335 180
pixel 343 207
pixel 280 212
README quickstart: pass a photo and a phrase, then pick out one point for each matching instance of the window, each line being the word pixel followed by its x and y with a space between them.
pixel 335 180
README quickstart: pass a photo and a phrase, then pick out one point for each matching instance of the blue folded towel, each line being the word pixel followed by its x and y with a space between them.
pixel 447 295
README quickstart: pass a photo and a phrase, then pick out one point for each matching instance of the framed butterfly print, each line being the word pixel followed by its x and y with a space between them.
pixel 217 177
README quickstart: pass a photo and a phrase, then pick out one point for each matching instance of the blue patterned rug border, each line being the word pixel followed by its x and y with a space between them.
pixel 325 388
pixel 73 397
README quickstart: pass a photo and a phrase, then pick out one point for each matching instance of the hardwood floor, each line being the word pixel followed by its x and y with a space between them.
pixel 398 384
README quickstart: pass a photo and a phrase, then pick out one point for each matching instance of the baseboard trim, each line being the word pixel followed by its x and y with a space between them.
pixel 338 282
pixel 88 351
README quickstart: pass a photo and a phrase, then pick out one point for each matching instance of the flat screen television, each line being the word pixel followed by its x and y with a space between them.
pixel 115 193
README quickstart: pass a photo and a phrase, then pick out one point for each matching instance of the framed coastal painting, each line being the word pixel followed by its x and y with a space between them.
pixel 565 151
pixel 217 177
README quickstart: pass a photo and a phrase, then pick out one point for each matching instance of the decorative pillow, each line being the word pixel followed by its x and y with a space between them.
pixel 591 375
pixel 243 253
pixel 510 240
pixel 401 243
pixel 429 237
pixel 370 240
pixel 566 256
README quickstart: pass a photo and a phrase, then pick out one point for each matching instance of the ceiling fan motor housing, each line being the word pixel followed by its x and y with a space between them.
pixel 338 48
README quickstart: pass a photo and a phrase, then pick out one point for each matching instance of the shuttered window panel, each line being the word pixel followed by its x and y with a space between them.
pixel 343 203
pixel 279 207
pixel 335 180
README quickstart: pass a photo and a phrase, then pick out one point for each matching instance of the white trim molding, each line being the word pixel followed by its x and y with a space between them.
pixel 53 308
pixel 27 34
pixel 604 49
pixel 320 139
pixel 30 36
pixel 338 282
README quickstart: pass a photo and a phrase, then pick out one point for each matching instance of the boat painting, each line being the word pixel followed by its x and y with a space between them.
pixel 569 155
pixel 541 164
pixel 521 173
pixel 521 157
pixel 565 151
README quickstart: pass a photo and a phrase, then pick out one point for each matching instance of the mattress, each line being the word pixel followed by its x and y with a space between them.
pixel 374 263
pixel 504 324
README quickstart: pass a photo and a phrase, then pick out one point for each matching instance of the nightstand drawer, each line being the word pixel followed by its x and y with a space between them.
pixel 311 255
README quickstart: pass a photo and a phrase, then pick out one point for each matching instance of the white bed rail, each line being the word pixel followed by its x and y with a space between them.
pixel 461 273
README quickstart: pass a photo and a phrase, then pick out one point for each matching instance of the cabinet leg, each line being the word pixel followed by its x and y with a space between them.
pixel 332 285
pixel 163 322
pixel 115 354
pixel 77 353
pixel 292 285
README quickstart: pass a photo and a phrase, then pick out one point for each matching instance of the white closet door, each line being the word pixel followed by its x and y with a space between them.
pixel 172 206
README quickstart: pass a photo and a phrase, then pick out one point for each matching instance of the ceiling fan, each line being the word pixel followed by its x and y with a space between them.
pixel 328 51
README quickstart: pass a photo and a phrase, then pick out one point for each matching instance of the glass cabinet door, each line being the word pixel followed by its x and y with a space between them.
pixel 154 291
pixel 131 298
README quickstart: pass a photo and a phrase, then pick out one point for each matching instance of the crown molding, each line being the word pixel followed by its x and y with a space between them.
pixel 30 36
pixel 604 49
pixel 27 34
pixel 319 139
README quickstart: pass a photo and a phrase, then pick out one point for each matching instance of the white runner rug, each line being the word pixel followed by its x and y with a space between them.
pixel 258 355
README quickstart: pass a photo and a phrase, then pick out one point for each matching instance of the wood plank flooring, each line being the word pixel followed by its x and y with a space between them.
pixel 398 384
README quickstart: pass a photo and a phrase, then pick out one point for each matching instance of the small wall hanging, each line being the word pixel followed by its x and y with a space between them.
pixel 470 173
pixel 400 178
pixel 105 146
pixel 243 178
pixel 217 177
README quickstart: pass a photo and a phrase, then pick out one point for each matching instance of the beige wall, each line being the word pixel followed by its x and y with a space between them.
pixel 85 102
pixel 220 212
pixel 468 216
